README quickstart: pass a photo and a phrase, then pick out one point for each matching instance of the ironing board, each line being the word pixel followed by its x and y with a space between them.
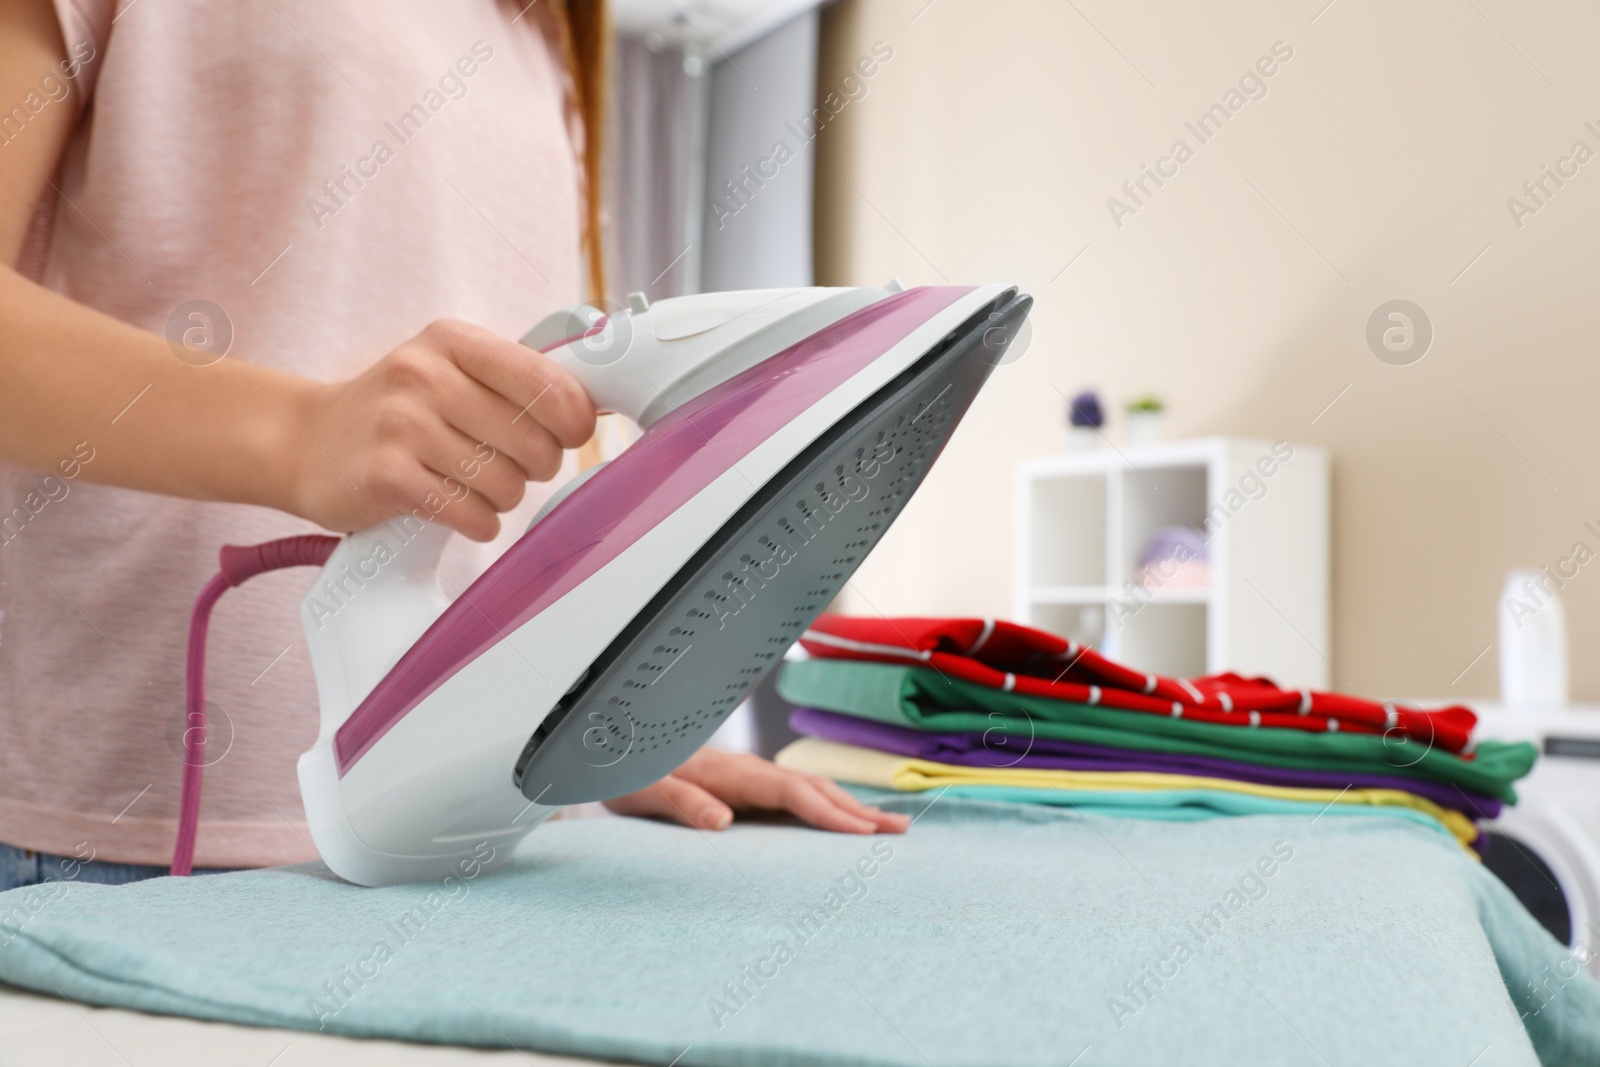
pixel 990 934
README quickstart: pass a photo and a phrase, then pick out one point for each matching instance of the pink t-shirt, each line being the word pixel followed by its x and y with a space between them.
pixel 333 177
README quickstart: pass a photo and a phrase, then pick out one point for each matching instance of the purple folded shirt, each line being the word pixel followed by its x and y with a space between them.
pixel 997 750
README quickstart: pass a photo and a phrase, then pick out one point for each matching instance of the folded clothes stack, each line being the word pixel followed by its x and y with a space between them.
pixel 999 711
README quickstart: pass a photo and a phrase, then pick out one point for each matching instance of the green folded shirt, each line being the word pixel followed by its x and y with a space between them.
pixel 928 700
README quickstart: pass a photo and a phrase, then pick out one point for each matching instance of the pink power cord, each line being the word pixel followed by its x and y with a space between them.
pixel 239 564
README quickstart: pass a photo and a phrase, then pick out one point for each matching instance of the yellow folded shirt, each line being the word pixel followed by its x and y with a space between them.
pixel 887 770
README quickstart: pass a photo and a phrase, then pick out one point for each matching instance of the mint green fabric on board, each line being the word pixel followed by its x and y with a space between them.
pixel 916 696
pixel 990 935
pixel 1186 805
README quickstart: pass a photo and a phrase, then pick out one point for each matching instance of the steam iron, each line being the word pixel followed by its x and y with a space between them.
pixel 782 432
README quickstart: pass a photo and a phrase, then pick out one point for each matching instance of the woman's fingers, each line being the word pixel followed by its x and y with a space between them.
pixel 401 485
pixel 529 380
pixel 747 781
pixel 461 490
pixel 500 430
pixel 803 799
pixel 449 426
pixel 705 791
pixel 677 800
pixel 886 821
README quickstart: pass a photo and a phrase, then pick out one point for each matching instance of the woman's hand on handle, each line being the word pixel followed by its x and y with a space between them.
pixel 453 422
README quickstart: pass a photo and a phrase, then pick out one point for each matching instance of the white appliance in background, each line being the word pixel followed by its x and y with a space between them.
pixel 1547 846
pixel 1533 643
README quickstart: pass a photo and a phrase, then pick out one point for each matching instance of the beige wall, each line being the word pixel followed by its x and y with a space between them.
pixel 987 147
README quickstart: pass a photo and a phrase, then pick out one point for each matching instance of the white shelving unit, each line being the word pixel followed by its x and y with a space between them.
pixel 1084 519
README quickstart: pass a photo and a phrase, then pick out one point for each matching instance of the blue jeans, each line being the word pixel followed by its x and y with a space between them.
pixel 22 867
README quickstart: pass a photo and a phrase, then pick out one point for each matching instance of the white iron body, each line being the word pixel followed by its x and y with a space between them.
pixel 434 796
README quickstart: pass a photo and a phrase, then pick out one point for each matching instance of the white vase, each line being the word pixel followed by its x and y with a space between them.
pixel 1082 438
pixel 1144 427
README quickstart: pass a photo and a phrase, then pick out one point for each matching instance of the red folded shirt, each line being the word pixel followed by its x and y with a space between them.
pixel 1024 660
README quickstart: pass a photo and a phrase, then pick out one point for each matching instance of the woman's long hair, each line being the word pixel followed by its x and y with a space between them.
pixel 585 29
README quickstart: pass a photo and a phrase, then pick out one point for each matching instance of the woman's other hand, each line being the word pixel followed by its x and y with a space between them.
pixel 706 791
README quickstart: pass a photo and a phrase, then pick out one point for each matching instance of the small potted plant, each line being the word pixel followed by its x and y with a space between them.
pixel 1144 419
pixel 1084 421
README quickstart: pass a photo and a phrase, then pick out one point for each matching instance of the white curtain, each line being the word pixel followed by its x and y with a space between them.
pixel 756 224
pixel 699 195
pixel 651 168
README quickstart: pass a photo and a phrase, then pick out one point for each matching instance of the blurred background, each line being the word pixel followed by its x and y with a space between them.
pixel 1340 157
